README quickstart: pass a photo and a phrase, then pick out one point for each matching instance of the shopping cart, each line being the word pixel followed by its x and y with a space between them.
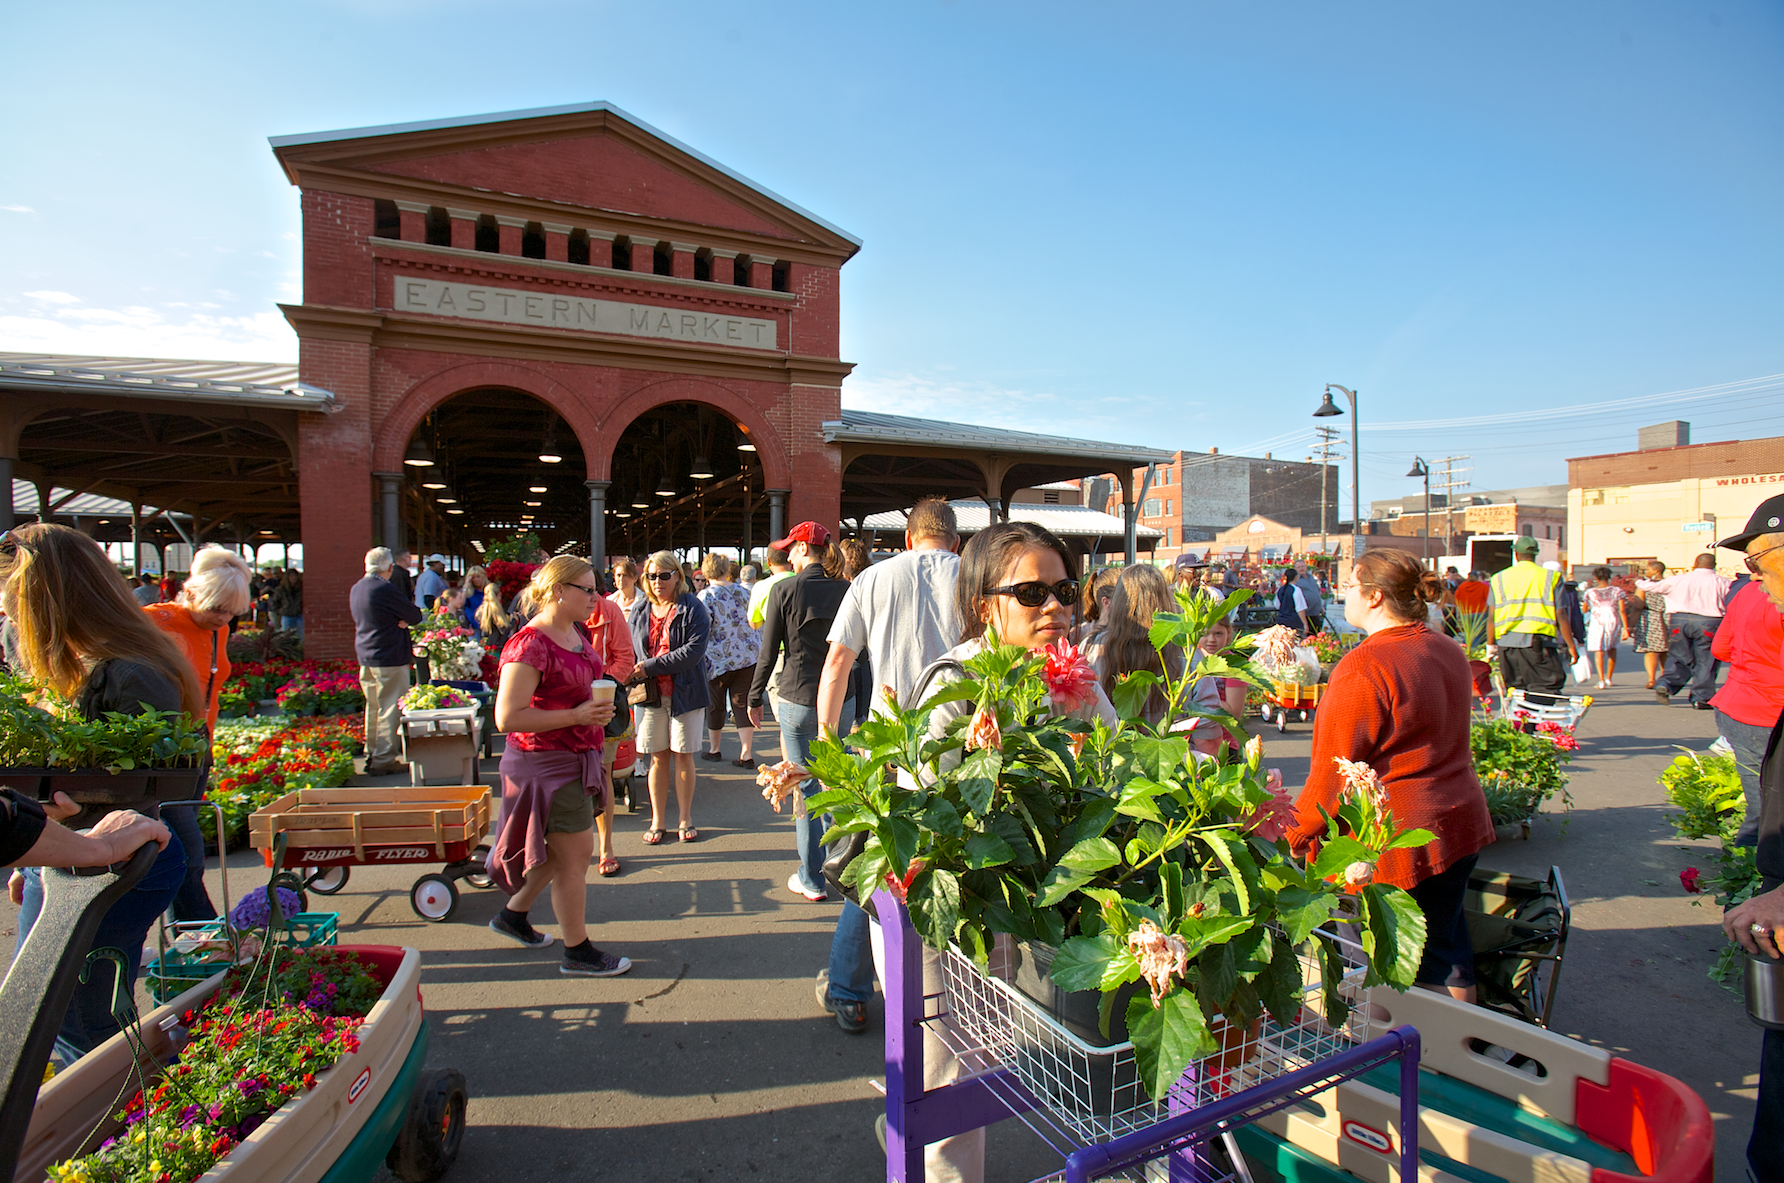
pixel 1518 927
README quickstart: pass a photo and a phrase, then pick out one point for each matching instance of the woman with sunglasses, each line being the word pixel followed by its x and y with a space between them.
pixel 79 632
pixel 551 766
pixel 670 630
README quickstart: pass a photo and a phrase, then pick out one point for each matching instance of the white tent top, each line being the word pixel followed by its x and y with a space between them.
pixel 1067 521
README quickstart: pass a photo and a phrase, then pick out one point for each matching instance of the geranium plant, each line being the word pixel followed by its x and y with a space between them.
pixel 1134 857
pixel 452 650
pixel 1520 770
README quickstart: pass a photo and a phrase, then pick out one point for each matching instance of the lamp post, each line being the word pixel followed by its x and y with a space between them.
pixel 1327 408
pixel 1421 469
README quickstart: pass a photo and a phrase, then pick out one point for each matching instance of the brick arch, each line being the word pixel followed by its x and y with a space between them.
pixel 392 436
pixel 771 450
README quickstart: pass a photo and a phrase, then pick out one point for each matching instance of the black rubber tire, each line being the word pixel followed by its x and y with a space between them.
pixel 480 879
pixel 428 1143
pixel 429 886
pixel 632 794
pixel 324 881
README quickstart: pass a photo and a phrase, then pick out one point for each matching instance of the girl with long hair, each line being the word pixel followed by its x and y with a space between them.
pixel 1140 593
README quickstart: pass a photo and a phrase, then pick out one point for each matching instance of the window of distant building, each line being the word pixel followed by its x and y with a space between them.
pixel 1150 508
pixel 1167 507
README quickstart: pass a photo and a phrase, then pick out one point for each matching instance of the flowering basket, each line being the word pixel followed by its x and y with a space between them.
pixel 510 575
pixel 321 692
pixel 1520 770
pixel 429 697
pixel 452 650
pixel 1138 859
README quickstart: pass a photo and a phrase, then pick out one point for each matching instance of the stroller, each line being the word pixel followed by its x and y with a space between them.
pixel 1518 927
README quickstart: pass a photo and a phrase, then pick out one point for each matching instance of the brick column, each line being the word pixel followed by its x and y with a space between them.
pixel 464 228
pixel 600 248
pixel 722 264
pixel 761 273
pixel 557 242
pixel 644 255
pixel 510 230
pixel 683 266
pixel 413 215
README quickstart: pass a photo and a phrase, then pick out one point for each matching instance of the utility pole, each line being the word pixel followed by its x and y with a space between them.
pixel 1454 480
pixel 1326 437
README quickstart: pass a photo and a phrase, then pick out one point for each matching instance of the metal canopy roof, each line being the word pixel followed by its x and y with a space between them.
pixel 231 383
pixel 397 129
pixel 872 427
pixel 1067 521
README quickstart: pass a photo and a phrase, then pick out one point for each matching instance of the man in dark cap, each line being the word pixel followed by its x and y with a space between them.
pixel 1756 924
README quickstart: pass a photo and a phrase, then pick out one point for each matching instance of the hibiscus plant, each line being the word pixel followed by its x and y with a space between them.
pixel 1120 847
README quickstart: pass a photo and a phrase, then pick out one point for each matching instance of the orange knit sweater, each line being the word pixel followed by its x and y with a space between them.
pixel 1400 703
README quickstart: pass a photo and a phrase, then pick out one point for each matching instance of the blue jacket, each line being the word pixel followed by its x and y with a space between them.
pixel 1285 606
pixel 686 659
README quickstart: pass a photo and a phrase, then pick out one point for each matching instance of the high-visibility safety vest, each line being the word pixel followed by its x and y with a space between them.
pixel 1524 600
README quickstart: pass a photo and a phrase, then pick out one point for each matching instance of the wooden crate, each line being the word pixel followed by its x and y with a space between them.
pixel 431 816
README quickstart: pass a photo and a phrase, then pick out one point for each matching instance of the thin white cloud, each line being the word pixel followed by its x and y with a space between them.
pixel 53 297
pixel 142 331
pixel 17 209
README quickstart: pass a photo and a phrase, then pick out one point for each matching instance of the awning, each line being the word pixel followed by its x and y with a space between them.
pixel 1272 553
pixel 1239 551
pixel 1197 552
pixel 1333 546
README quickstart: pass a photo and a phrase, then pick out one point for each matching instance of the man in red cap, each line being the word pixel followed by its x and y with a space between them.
pixel 797 616
pixel 1756 924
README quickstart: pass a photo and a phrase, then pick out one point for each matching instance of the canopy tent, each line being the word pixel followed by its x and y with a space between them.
pixel 1078 526
pixel 1275 554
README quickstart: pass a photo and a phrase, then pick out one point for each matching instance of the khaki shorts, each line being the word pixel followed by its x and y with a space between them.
pixel 658 731
pixel 572 810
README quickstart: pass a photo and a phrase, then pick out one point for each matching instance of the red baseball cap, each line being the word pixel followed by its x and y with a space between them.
pixel 810 532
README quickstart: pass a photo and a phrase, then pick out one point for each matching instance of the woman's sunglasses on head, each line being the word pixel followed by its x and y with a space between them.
pixel 1034 593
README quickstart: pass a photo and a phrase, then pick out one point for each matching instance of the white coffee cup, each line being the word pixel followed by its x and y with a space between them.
pixel 601 689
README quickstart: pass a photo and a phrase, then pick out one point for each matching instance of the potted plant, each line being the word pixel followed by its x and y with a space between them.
pixel 452 651
pixel 1520 770
pixel 1117 847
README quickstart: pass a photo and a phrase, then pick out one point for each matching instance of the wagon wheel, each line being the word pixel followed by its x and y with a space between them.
pixel 434 898
pixel 631 795
pixel 1281 721
pixel 480 879
pixel 428 1142
pixel 1263 709
pixel 1304 715
pixel 327 880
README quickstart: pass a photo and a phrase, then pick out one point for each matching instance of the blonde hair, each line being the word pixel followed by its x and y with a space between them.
pixel 560 570
pixel 218 582
pixel 71 613
pixel 490 617
pixel 473 573
pixel 715 566
pixel 665 560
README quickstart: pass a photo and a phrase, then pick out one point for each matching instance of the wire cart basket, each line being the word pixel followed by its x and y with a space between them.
pixel 1085 1101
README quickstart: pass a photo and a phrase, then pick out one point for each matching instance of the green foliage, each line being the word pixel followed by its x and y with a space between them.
pixel 1706 790
pixel 1104 841
pixel 1519 770
pixel 522 546
pixel 40 729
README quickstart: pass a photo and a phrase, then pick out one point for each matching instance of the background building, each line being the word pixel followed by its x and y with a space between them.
pixel 1197 496
pixel 1668 500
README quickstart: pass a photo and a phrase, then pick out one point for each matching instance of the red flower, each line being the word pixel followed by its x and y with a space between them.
pixel 983 731
pixel 1690 879
pixel 900 887
pixel 1071 683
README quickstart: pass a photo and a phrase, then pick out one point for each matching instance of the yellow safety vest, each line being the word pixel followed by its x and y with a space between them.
pixel 1524 600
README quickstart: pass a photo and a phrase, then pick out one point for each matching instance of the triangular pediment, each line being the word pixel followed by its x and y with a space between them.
pixel 591 158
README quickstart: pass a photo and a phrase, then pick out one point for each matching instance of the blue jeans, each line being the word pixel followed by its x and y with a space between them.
pixel 293 624
pixel 798 728
pixel 125 927
pixel 851 955
pixel 1689 661
pixel 193 902
pixel 1748 743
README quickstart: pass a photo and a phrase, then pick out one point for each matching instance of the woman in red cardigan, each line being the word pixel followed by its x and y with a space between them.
pixel 1400 702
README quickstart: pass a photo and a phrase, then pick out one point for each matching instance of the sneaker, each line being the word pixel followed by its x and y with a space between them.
pixel 851 1016
pixel 798 888
pixel 1702 706
pixel 1664 697
pixel 529 936
pixel 601 965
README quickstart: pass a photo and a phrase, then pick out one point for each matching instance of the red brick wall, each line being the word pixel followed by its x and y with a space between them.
pixel 1731 458
pixel 335 491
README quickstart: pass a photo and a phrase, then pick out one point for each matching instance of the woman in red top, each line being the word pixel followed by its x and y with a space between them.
pixel 551 766
pixel 1751 640
pixel 1400 703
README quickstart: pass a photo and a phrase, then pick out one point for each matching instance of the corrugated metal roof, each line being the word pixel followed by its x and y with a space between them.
pixel 86 505
pixel 228 382
pixel 1067 521
pixel 873 427
pixel 397 129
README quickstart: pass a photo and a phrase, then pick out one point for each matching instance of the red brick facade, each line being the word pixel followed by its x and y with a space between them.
pixel 592 170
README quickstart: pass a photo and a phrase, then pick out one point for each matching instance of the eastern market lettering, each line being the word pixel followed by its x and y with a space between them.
pixel 510 306
pixel 1770 478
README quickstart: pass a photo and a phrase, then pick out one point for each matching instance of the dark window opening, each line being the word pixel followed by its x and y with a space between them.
pixel 579 247
pixel 780 275
pixel 622 253
pixel 741 271
pixel 532 241
pixel 663 259
pixel 703 264
pixel 386 222
pixel 439 226
pixel 489 238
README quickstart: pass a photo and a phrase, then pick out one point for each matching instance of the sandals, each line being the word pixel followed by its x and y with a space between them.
pixel 652 837
pixel 608 866
pixel 690 834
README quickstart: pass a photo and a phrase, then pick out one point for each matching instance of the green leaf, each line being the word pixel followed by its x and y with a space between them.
pixel 935 907
pixel 1159 758
pixel 1219 974
pixel 1010 830
pixel 1337 854
pixel 1123 968
pixel 1166 1038
pixel 942 818
pixel 1300 911
pixel 1137 799
pixel 1059 883
pixel 1131 692
pixel 1279 986
pixel 977 780
pixel 1200 932
pixel 898 837
pixel 1217 841
pixel 1410 838
pixel 1167 629
pixel 1091 855
pixel 1394 934
pixel 1170 885
pixel 987 850
pixel 1331 978
pixel 1082 961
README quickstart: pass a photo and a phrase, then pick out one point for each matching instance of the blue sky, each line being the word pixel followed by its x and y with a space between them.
pixel 1167 224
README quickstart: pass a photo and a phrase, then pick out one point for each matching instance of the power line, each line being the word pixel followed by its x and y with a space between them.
pixel 1768 384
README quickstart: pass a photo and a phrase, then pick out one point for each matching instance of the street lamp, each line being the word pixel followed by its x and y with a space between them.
pixel 1421 469
pixel 1326 408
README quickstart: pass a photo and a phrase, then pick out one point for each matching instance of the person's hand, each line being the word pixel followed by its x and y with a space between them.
pixel 1754 925
pixel 121 833
pixel 755 716
pixel 1492 652
pixel 1573 654
pixel 15 888
pixel 586 714
pixel 61 808
pixel 604 712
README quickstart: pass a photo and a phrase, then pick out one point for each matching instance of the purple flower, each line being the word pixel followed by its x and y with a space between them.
pixel 249 1086
pixel 254 912
pixel 188 1115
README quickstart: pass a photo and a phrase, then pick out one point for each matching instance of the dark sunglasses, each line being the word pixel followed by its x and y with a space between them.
pixel 593 591
pixel 1034 593
pixel 1753 565
pixel 662 575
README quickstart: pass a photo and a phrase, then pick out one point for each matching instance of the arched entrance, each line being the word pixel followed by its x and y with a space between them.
pixel 684 476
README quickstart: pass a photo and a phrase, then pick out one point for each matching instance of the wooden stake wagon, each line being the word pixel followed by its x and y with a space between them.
pixel 1290 696
pixel 334 829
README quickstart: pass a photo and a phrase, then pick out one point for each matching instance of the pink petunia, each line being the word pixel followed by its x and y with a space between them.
pixel 1691 879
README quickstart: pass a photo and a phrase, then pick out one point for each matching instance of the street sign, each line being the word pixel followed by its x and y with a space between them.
pixel 1698 527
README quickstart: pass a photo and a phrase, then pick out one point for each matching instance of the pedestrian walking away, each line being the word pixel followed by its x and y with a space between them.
pixel 730 660
pixel 1603 604
pixel 1646 612
pixel 553 781
pixel 1694 602
pixel 381 616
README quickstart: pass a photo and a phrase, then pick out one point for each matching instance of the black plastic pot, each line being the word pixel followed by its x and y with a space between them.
pixel 1092 1083
pixel 100 792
